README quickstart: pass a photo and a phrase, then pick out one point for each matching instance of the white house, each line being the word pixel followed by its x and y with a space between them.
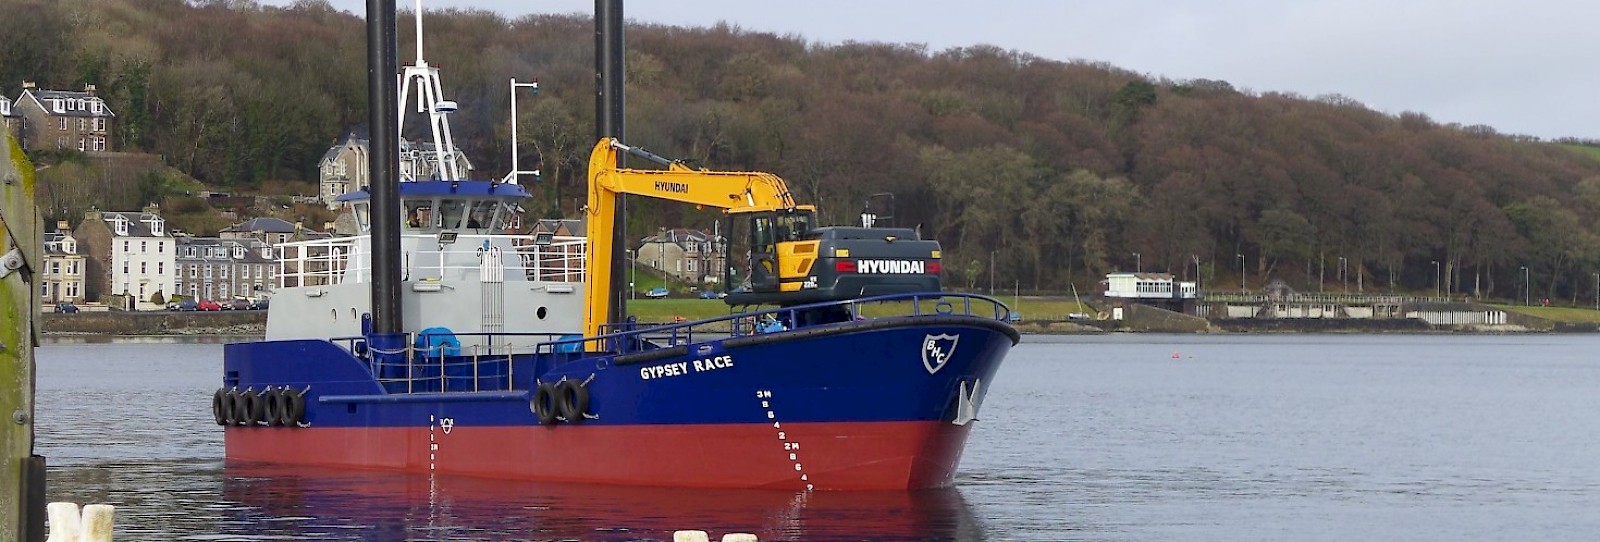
pixel 1148 286
pixel 130 257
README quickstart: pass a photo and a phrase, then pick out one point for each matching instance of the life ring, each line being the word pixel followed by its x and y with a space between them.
pixel 544 403
pixel 294 407
pixel 573 400
pixel 217 400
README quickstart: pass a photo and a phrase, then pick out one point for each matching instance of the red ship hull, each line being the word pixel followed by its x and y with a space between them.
pixel 833 455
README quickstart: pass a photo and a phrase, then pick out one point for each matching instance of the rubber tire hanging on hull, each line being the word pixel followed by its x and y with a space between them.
pixel 545 403
pixel 222 407
pixel 572 398
pixel 294 407
pixel 276 409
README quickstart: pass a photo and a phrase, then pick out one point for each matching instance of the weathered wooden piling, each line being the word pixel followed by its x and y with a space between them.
pixel 21 473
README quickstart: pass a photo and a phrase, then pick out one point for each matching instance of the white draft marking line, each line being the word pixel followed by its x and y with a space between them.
pixel 791 446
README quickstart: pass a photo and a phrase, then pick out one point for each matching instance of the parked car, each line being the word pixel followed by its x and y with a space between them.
pixel 238 304
pixel 259 304
pixel 656 293
pixel 209 305
pixel 66 308
pixel 1077 316
pixel 708 294
pixel 185 305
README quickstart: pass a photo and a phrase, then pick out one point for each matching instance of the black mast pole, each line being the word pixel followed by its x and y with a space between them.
pixel 608 105
pixel 384 163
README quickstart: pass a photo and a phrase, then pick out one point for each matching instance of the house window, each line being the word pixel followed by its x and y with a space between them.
pixel 222 270
pixel 222 291
pixel 55 268
pixel 124 268
pixel 161 268
pixel 142 269
pixel 99 124
pixel 44 290
pixel 82 143
pixel 83 124
pixel 99 143
pixel 208 270
pixel 194 290
pixel 144 247
pixel 72 290
pixel 63 123
pixel 72 268
pixel 194 270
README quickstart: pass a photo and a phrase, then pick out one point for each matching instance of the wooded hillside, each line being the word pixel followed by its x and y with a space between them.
pixel 1064 170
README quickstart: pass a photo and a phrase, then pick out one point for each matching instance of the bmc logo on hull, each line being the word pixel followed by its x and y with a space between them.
pixel 905 267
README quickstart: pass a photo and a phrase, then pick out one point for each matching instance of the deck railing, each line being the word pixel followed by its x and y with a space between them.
pixel 332 261
pixel 478 362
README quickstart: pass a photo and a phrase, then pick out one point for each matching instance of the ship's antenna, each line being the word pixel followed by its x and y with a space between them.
pixel 430 100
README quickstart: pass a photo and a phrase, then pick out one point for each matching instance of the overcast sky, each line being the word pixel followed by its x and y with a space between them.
pixel 1523 67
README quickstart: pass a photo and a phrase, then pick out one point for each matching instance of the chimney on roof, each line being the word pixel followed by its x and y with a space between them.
pixel 89 88
pixel 28 85
pixel 153 208
pixel 61 226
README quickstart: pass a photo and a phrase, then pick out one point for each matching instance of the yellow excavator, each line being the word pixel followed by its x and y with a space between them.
pixel 792 261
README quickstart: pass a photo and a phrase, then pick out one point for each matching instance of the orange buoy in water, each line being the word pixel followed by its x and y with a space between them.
pixel 1175 355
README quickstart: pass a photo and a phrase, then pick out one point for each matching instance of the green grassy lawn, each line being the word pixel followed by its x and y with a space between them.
pixel 663 310
pixel 1591 152
pixel 1555 314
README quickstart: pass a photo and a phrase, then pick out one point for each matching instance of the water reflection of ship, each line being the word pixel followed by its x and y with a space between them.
pixel 302 502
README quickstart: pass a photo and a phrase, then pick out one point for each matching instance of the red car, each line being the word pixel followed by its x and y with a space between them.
pixel 209 305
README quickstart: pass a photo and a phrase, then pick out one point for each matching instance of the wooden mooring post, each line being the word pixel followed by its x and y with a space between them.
pixel 22 503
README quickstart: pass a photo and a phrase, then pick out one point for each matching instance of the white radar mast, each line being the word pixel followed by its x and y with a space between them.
pixel 430 100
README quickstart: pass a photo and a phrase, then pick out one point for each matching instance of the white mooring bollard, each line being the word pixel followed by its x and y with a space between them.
pixel 97 520
pixel 63 522
pixel 94 525
pixel 690 536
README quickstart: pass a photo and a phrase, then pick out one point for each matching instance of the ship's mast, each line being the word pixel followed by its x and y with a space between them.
pixel 608 56
pixel 430 100
pixel 384 163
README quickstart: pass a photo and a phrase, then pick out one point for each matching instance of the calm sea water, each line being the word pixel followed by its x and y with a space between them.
pixel 1121 437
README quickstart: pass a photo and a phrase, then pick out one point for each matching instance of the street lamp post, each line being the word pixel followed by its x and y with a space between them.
pixel 1197 289
pixel 1525 287
pixel 1597 291
pixel 991 273
pixel 1241 271
pixel 633 273
pixel 1138 265
pixel 1436 278
pixel 1344 277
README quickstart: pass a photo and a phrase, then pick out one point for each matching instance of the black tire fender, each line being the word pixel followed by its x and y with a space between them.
pixel 572 397
pixel 545 403
pixel 274 400
pixel 219 411
pixel 255 408
pixel 241 406
pixel 294 407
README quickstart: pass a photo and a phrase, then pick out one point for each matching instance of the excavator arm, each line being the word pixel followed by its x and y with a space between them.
pixel 728 190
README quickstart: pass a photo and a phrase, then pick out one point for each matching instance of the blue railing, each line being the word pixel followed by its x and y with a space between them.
pixel 629 338
pixel 472 362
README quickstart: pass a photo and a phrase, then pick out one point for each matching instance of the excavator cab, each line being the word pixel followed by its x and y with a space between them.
pixel 781 251
pixel 789 260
